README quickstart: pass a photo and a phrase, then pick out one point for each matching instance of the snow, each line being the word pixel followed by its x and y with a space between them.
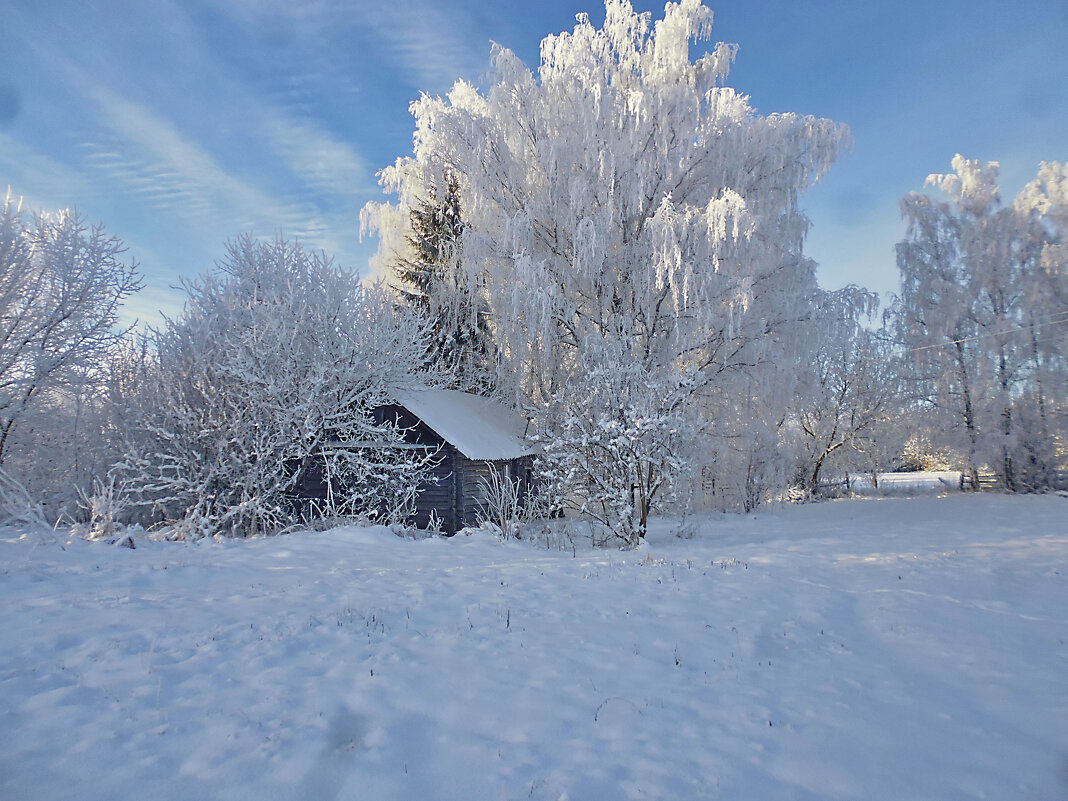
pixel 479 427
pixel 873 648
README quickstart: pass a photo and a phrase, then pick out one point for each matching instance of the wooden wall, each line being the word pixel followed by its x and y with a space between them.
pixel 439 497
pixel 469 473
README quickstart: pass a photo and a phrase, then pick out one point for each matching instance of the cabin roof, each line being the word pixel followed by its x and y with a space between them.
pixel 478 427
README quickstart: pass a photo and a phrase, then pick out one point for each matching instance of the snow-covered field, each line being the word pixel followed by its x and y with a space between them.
pixel 902 648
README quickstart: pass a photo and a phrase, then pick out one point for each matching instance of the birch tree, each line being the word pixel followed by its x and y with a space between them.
pixel 850 392
pixel 1044 405
pixel 626 194
pixel 982 313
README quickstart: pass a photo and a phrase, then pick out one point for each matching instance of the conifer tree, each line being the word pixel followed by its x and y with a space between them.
pixel 431 278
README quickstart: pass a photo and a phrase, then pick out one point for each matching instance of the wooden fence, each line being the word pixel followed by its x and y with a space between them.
pixel 988 480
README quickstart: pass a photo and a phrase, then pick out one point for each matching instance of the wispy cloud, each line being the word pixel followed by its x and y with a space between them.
pixel 433 44
pixel 291 173
pixel 43 182
pixel 234 115
pixel 320 160
pixel 424 43
pixel 153 160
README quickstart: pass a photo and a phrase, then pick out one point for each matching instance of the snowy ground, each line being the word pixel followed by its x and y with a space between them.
pixel 865 649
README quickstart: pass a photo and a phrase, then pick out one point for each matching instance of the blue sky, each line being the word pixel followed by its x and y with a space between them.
pixel 180 124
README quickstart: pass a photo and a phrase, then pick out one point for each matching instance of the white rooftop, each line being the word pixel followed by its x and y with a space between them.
pixel 478 427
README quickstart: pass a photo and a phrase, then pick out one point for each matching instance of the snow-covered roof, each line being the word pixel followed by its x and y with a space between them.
pixel 478 427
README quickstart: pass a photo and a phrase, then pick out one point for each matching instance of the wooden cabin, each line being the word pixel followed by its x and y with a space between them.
pixel 471 436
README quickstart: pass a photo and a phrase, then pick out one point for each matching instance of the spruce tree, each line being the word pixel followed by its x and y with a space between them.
pixel 432 279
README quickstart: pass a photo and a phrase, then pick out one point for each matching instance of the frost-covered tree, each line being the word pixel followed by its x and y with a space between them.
pixel 1043 411
pixel 62 283
pixel 428 273
pixel 434 240
pixel 617 443
pixel 982 313
pixel 264 385
pixel 625 194
pixel 850 392
pixel 62 444
pixel 61 286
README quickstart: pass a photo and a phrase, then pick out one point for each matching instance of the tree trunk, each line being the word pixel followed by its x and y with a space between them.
pixel 814 481
pixel 969 416
pixel 1008 470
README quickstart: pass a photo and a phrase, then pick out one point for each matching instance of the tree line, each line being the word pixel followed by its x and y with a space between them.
pixel 613 246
